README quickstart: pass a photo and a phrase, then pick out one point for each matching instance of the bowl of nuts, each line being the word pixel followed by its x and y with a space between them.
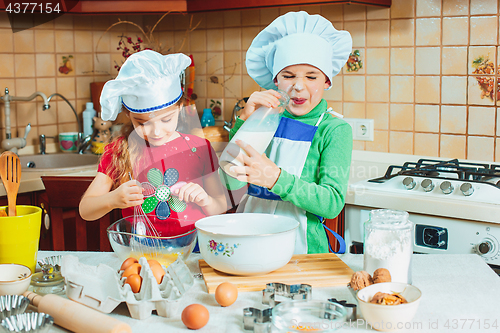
pixel 389 306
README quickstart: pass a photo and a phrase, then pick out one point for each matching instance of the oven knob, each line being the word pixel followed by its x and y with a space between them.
pixel 446 187
pixel 427 185
pixel 467 189
pixel 484 247
pixel 409 183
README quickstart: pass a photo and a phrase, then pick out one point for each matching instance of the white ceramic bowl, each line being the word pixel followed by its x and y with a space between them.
pixel 389 318
pixel 246 243
pixel 14 279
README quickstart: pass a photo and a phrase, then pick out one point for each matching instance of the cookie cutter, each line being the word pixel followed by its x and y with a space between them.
pixel 291 291
pixel 349 307
pixel 256 319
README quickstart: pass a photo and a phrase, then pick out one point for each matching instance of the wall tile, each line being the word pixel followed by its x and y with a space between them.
pixel 215 63
pixel 428 31
pixel 354 110
pixel 354 88
pixel 498 122
pixel 377 61
pixel 402 60
pixel 64 112
pixel 267 15
pixel 401 117
pixel 215 90
pixel 232 62
pixel 453 90
pixel 102 41
pixel 214 20
pixel 427 89
pixel 250 17
pixel 7 37
pixel 44 41
pixel 247 36
pixel 181 41
pixel 232 39
pixel 479 92
pixel 354 12
pixel 200 63
pixel 380 142
pixel 377 88
pixel 335 93
pixel 24 41
pixel 427 118
pixel 377 33
pixel 66 86
pixel 481 121
pixel 402 89
pixel 453 119
pixel 497 150
pixel 232 18
pixel 198 40
pixel 401 142
pixel 480 148
pixel 426 144
pixel 481 7
pixel 83 64
pixel 248 86
pixel 64 41
pixel 427 60
pixel 336 106
pixel 332 12
pixel 83 86
pixel 6 66
pixel 357 30
pixel 379 112
pixel 455 7
pixel 83 41
pixel 102 63
pixel 45 64
pixel 452 146
pixel 402 8
pixel 455 30
pixel 4 20
pixel 24 65
pixel 454 61
pixel 482 60
pixel 232 87
pixel 26 113
pixel 377 13
pixel 402 32
pixel 200 87
pixel 428 8
pixel 483 30
pixel 24 88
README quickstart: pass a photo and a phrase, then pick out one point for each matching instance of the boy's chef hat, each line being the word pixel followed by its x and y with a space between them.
pixel 297 38
pixel 147 81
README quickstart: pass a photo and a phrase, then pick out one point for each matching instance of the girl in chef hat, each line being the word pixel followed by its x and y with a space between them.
pixel 175 170
pixel 305 172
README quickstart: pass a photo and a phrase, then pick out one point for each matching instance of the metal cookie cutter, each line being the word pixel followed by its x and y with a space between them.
pixel 349 307
pixel 292 291
pixel 257 320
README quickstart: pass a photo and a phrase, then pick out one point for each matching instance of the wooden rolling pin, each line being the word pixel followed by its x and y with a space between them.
pixel 76 317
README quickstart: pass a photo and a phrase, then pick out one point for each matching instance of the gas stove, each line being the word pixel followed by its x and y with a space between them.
pixel 454 205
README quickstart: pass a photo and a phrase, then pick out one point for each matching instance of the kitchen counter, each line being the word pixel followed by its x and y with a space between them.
pixel 458 290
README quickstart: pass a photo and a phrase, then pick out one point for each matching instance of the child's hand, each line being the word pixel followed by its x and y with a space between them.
pixel 258 169
pixel 191 192
pixel 268 98
pixel 128 194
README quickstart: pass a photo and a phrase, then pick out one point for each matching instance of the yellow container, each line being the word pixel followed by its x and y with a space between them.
pixel 19 236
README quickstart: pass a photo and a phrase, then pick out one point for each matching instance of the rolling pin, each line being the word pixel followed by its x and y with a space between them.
pixel 76 317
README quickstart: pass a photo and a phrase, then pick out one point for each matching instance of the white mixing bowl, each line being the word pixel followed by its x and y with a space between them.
pixel 247 243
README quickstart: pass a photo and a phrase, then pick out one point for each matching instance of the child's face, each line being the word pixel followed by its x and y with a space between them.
pixel 156 127
pixel 304 84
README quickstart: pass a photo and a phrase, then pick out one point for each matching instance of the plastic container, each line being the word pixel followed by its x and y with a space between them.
pixel 207 119
pixel 19 236
pixel 257 131
pixel 88 114
pixel 388 243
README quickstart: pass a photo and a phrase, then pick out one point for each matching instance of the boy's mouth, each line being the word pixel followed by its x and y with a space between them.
pixel 299 101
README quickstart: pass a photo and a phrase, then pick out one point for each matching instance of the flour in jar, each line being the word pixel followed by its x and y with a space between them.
pixel 390 249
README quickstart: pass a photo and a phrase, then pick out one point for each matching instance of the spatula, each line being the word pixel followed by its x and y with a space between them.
pixel 10 171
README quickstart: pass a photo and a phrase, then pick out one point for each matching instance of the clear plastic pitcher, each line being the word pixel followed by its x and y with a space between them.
pixel 389 243
pixel 257 131
pixel 19 236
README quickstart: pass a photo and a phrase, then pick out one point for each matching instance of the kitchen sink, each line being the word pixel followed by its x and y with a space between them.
pixel 58 162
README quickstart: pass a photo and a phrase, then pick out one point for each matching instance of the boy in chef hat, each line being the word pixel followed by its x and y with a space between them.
pixel 305 172
pixel 176 171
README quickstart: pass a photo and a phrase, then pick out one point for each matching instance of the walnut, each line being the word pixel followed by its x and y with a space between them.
pixel 388 299
pixel 361 279
pixel 381 275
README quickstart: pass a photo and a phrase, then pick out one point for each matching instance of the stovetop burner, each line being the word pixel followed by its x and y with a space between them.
pixel 445 169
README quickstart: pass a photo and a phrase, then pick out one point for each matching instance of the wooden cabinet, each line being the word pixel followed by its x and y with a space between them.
pixel 337 224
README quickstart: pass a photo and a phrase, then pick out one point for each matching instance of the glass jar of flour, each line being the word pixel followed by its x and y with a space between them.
pixel 389 243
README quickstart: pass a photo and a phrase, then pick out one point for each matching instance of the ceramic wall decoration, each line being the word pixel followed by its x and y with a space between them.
pixel 354 63
pixel 66 68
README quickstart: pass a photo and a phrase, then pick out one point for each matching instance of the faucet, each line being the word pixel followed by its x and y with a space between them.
pixel 10 143
pixel 42 138
pixel 229 124
pixel 83 142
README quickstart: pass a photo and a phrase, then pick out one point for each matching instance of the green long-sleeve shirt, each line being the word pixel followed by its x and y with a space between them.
pixel 322 186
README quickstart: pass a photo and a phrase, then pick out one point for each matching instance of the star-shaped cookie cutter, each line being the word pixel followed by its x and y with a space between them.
pixel 291 291
pixel 349 307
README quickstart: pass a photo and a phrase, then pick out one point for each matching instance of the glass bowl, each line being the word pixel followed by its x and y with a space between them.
pixel 127 242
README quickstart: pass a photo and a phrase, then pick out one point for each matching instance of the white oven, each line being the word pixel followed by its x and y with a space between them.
pixel 454 205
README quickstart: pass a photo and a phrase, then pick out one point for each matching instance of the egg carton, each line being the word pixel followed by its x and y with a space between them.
pixel 103 288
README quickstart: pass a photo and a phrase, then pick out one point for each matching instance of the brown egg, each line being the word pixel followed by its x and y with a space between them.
pixel 226 294
pixel 158 272
pixel 153 262
pixel 135 281
pixel 132 269
pixel 127 263
pixel 195 316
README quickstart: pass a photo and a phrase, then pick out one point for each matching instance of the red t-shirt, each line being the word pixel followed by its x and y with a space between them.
pixel 185 159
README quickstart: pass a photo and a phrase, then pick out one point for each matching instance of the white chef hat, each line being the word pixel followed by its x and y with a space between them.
pixel 147 82
pixel 297 38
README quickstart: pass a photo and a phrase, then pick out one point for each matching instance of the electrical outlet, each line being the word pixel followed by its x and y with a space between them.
pixel 362 129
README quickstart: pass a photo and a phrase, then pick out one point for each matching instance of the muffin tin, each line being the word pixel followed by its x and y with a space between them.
pixel 103 288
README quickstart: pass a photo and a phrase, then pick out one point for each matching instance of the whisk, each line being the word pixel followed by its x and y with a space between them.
pixel 146 241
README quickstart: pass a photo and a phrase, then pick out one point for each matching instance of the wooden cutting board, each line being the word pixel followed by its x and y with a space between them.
pixel 317 270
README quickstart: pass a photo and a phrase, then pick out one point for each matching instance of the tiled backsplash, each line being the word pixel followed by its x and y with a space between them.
pixel 427 76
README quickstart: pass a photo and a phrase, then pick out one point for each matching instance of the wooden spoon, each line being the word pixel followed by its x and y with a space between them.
pixel 10 171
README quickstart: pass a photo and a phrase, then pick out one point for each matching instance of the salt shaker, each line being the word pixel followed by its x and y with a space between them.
pixel 389 243
pixel 257 131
